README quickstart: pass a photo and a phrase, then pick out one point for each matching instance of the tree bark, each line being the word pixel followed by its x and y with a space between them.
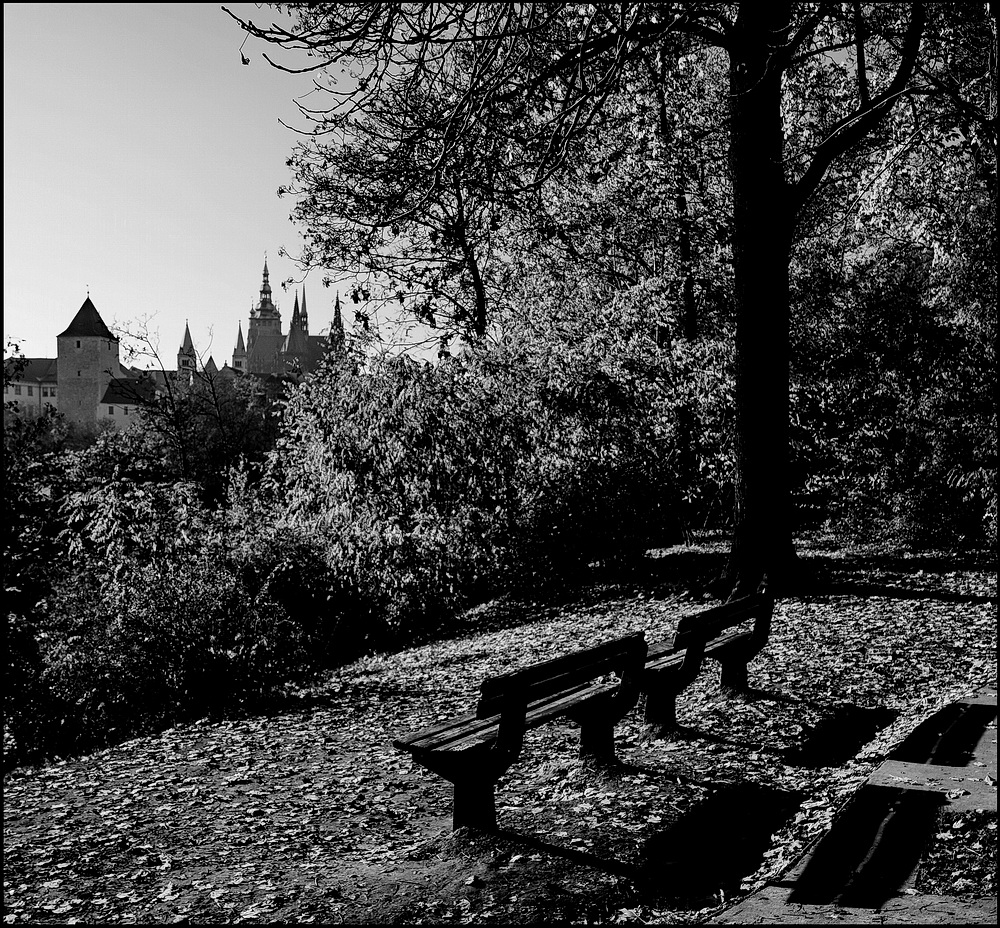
pixel 762 540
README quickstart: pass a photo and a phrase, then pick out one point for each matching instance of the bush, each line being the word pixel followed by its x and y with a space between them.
pixel 893 408
pixel 151 622
pixel 428 487
pixel 24 703
pixel 170 641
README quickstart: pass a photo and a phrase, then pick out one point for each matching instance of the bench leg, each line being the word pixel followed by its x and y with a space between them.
pixel 475 804
pixel 661 711
pixel 734 676
pixel 597 741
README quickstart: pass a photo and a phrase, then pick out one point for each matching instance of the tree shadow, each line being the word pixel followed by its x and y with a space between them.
pixel 625 768
pixel 583 858
pixel 852 575
pixel 867 589
pixel 838 736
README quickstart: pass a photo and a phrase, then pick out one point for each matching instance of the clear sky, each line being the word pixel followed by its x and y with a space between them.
pixel 142 160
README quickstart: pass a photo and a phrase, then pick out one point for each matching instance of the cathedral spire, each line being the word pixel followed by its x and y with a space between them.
pixel 304 314
pixel 265 287
pixel 296 318
pixel 337 328
pixel 240 351
pixel 186 355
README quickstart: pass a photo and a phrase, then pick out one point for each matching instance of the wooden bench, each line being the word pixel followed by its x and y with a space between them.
pixel 474 751
pixel 714 633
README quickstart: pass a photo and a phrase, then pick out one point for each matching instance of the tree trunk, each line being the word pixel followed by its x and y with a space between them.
pixel 762 541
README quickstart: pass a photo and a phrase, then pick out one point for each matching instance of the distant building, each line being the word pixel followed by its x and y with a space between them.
pixel 87 383
pixel 86 366
pixel 33 388
pixel 269 351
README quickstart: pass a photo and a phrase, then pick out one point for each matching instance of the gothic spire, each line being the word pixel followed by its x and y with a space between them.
pixel 187 358
pixel 337 328
pixel 265 287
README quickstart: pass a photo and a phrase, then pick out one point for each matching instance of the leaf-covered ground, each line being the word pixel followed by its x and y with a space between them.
pixel 308 814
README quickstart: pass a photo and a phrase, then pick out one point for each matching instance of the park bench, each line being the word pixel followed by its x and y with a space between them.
pixel 474 751
pixel 719 633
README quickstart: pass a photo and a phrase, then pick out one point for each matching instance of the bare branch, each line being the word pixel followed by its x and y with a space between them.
pixel 851 129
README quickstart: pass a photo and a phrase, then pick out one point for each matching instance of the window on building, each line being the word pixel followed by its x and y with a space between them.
pixel 78 343
pixel 79 373
pixel 125 410
pixel 111 410
pixel 31 391
pixel 45 391
pixel 17 390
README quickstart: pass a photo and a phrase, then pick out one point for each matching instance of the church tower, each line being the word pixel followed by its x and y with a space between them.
pixel 264 338
pixel 87 360
pixel 240 352
pixel 337 338
pixel 264 317
pixel 296 347
pixel 304 314
pixel 187 359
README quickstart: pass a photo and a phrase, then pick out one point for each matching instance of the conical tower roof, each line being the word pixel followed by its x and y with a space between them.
pixel 88 323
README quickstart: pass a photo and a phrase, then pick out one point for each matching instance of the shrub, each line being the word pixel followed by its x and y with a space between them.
pixel 430 486
pixel 171 640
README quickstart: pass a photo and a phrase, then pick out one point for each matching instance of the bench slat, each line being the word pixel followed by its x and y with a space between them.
pixel 709 623
pixel 464 733
pixel 558 674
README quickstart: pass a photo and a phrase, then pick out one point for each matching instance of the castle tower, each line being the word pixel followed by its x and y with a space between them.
pixel 87 360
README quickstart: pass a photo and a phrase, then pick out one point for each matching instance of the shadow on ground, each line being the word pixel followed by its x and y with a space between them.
pixel 707 853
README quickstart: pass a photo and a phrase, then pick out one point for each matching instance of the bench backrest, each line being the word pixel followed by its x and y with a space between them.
pixel 710 623
pixel 560 674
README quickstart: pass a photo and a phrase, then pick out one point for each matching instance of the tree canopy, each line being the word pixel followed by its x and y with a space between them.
pixel 448 124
